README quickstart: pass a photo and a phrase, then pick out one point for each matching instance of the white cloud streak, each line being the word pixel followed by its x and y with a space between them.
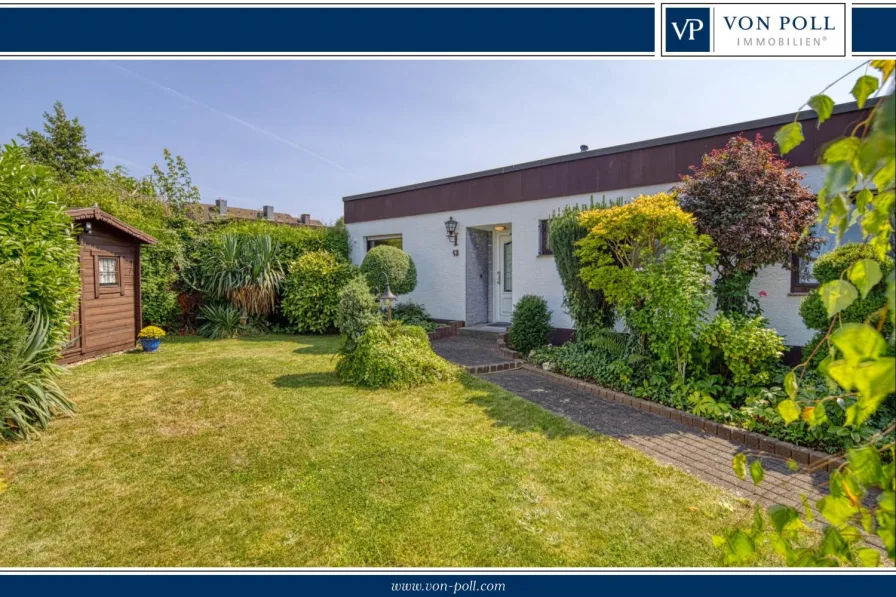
pixel 231 117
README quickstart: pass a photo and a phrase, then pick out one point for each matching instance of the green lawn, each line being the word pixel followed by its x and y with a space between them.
pixel 251 453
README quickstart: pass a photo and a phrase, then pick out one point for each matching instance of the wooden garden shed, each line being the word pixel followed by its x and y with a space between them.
pixel 109 314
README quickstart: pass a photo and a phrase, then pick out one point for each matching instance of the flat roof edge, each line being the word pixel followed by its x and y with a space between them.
pixel 635 146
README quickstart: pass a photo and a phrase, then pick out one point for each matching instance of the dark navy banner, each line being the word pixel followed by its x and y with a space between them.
pixel 347 30
pixel 462 584
pixel 874 29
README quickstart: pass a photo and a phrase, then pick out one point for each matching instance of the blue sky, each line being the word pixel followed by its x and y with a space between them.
pixel 300 135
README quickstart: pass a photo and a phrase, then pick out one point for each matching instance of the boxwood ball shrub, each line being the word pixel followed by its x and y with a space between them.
pixel 357 311
pixel 393 355
pixel 530 324
pixel 831 266
pixel 311 292
pixel 395 263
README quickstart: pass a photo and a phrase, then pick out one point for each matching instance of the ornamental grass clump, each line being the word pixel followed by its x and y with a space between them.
pixel 393 355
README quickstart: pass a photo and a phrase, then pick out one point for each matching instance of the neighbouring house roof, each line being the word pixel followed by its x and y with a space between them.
pixel 207 212
pixel 644 163
pixel 84 214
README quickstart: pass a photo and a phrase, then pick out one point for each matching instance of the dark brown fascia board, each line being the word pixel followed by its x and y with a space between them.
pixel 671 139
pixel 94 213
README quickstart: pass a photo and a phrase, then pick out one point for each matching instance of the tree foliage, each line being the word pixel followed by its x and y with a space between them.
pixel 862 494
pixel 174 184
pixel 755 210
pixel 587 307
pixel 37 239
pixel 62 146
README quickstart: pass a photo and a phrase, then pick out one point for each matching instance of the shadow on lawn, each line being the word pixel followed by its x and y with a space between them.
pixel 307 380
pixel 518 415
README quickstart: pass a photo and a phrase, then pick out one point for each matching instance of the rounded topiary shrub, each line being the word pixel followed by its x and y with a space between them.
pixel 357 311
pixel 392 355
pixel 395 263
pixel 831 266
pixel 530 324
pixel 311 292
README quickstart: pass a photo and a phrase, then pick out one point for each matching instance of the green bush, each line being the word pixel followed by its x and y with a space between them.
pixel 749 347
pixel 221 321
pixel 358 310
pixel 831 266
pixel 587 308
pixel 311 292
pixel 393 355
pixel 530 324
pixel 395 263
pixel 36 238
pixel 413 314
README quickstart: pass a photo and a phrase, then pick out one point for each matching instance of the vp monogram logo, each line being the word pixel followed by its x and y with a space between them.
pixel 687 29
pixel 691 26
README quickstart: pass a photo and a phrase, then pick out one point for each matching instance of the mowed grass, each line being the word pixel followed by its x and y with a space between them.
pixel 251 453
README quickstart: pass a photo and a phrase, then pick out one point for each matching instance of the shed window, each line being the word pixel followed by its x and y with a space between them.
pixel 108 270
pixel 392 240
pixel 544 240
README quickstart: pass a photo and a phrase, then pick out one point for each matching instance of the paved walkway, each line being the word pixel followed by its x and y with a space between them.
pixel 476 355
pixel 703 455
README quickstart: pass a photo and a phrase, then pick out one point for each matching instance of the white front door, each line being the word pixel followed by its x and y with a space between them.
pixel 504 276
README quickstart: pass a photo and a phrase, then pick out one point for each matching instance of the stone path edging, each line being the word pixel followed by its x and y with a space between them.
pixel 804 456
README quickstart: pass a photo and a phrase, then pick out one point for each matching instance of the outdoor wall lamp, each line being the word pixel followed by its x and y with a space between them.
pixel 88 227
pixel 451 227
pixel 386 298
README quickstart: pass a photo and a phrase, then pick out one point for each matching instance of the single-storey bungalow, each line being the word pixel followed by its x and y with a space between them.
pixel 500 251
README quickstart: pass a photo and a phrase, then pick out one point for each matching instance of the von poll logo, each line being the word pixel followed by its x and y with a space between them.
pixel 758 29
pixel 687 29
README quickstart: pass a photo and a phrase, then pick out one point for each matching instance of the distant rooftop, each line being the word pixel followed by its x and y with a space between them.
pixel 208 212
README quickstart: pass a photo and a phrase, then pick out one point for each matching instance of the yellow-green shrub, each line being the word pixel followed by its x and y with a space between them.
pixel 623 238
pixel 393 355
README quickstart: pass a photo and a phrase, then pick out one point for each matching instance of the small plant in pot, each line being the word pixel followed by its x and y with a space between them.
pixel 150 337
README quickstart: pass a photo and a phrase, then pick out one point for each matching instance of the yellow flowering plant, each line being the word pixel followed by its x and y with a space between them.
pixel 151 332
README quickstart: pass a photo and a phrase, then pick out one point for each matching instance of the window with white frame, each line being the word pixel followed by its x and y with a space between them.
pixel 108 271
pixel 392 240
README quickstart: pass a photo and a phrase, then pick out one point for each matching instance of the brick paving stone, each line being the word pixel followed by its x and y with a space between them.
pixel 469 351
pixel 667 439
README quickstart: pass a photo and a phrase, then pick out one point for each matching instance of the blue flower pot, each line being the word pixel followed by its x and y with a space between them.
pixel 150 344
